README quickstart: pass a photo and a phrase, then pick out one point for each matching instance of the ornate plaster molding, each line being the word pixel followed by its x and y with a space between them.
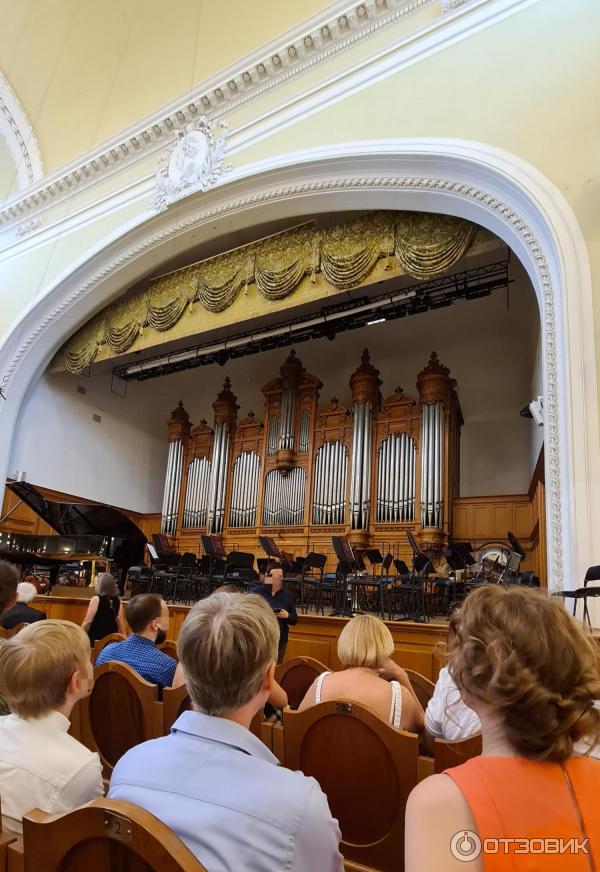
pixel 17 132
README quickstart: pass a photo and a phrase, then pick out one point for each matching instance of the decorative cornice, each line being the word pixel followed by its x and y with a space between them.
pixel 17 132
pixel 316 41
pixel 503 213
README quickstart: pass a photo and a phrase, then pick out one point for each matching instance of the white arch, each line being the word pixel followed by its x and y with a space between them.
pixel 21 141
pixel 483 184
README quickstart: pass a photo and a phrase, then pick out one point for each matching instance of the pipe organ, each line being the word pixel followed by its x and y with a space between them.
pixel 373 471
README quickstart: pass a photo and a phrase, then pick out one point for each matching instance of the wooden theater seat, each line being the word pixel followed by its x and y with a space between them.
pixel 296 676
pixel 447 754
pixel 6 839
pixel 122 711
pixel 367 769
pixel 103 836
pixel 99 644
pixel 169 647
pixel 422 686
pixel 176 700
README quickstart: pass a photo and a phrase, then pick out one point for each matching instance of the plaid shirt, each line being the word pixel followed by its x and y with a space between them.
pixel 143 656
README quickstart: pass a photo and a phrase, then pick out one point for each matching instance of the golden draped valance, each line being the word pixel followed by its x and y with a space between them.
pixel 424 245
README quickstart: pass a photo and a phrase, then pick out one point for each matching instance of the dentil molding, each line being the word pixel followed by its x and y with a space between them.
pixel 20 139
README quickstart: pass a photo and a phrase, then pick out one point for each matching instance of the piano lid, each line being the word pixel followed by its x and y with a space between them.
pixel 78 519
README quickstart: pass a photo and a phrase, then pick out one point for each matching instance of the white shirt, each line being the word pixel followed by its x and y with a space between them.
pixel 447 717
pixel 42 766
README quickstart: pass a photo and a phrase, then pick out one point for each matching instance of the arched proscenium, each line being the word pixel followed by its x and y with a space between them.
pixel 470 180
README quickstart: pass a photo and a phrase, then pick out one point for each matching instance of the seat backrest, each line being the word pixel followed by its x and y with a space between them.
pixel 421 685
pixel 447 754
pixel 386 563
pixel 4 634
pixel 99 644
pixel 169 647
pixel 296 676
pixel 367 769
pixel 102 836
pixel 176 700
pixel 593 574
pixel 122 711
pixel 17 627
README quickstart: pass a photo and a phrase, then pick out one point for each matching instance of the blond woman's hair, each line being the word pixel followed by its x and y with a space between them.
pixel 519 651
pixel 226 644
pixel 37 663
pixel 365 641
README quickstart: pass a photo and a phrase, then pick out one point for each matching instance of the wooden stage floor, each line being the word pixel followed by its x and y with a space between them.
pixel 418 646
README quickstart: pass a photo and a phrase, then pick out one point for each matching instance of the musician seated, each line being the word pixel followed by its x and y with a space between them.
pixel 44 670
pixel 148 616
pixel 21 612
pixel 215 784
pixel 447 716
pixel 369 676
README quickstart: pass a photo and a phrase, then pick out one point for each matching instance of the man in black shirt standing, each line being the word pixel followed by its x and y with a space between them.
pixel 281 600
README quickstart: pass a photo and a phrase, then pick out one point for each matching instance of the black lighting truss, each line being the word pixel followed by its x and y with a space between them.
pixel 351 314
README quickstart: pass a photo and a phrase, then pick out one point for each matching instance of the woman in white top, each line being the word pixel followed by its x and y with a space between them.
pixel 369 676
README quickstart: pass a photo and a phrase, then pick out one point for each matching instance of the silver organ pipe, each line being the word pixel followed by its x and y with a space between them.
pixel 284 498
pixel 304 432
pixel 273 435
pixel 360 489
pixel 286 430
pixel 432 438
pixel 172 487
pixel 245 490
pixel 329 493
pixel 216 502
pixel 396 479
pixel 163 523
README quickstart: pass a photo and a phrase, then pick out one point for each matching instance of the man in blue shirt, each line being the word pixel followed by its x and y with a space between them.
pixel 281 601
pixel 148 616
pixel 216 785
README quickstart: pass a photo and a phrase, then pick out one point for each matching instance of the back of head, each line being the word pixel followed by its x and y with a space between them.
pixel 142 609
pixel 9 578
pixel 37 663
pixel 106 585
pixel 226 645
pixel 518 651
pixel 365 641
pixel 26 592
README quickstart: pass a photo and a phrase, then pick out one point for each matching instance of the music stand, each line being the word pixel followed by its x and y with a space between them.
pixel 213 548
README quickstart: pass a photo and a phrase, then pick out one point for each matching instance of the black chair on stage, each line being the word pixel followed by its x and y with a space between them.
pixel 311 582
pixel 584 593
pixel 214 565
pixel 239 570
pixel 408 599
pixel 348 565
pixel 370 591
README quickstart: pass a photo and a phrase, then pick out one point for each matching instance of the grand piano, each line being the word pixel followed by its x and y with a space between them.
pixel 83 532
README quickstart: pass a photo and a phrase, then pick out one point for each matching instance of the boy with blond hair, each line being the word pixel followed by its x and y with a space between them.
pixel 44 670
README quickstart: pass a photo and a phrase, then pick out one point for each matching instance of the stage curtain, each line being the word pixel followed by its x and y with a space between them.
pixel 425 245
pixel 429 244
pixel 349 251
pixel 282 261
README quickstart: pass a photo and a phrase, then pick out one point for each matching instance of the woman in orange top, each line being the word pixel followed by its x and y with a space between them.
pixel 528 803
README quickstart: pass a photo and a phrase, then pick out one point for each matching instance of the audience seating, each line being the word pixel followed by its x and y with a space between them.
pixel 296 676
pixel 137 713
pixel 422 686
pixel 447 754
pixel 99 644
pixel 175 701
pixel 5 840
pixel 367 769
pixel 102 836
pixel 169 647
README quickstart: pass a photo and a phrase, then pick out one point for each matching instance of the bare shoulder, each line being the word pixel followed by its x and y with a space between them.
pixel 309 696
pixel 435 793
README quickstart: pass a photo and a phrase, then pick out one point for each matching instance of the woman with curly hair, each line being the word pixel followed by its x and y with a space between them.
pixel 529 801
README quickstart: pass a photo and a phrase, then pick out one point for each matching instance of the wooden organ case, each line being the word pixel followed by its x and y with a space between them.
pixel 371 472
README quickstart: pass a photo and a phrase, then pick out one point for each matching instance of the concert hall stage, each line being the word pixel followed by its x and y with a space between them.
pixel 416 644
